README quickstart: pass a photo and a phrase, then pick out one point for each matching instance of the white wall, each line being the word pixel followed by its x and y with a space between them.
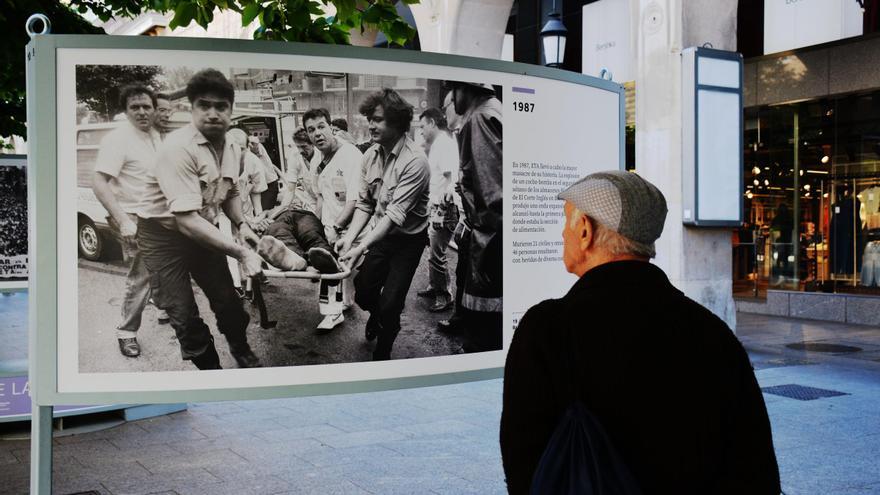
pixel 790 24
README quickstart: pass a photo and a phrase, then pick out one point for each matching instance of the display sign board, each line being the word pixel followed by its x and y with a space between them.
pixel 712 159
pixel 519 134
pixel 792 24
pixel 606 39
pixel 13 222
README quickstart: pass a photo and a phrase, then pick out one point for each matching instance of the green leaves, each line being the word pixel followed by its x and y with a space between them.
pixel 289 20
pixel 250 13
pixel 183 14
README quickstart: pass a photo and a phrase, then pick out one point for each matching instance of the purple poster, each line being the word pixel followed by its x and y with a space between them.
pixel 15 399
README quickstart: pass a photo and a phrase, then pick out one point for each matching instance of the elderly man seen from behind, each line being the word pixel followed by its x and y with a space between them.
pixel 666 379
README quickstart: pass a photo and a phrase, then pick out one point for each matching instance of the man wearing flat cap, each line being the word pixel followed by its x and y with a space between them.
pixel 666 379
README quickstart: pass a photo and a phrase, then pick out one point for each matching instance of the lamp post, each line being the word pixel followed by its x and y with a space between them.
pixel 553 36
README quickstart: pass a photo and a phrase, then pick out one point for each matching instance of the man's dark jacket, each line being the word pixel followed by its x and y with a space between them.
pixel 667 379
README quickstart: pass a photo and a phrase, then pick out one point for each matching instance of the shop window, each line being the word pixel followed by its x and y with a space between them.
pixel 812 198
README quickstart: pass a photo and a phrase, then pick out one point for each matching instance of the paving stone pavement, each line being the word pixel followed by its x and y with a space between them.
pixel 444 440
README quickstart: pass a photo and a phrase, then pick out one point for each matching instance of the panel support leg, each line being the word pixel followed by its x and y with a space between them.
pixel 41 450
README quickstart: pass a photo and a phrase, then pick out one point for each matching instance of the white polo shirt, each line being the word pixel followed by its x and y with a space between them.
pixel 128 154
pixel 339 182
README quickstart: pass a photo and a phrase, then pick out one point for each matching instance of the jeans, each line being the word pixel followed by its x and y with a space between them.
pixel 384 280
pixel 439 236
pixel 171 259
pixel 137 288
pixel 299 230
pixel 871 264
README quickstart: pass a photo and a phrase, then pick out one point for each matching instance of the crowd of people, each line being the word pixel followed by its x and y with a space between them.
pixel 206 202
pixel 13 212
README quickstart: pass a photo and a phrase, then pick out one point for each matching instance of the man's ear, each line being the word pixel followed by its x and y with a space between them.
pixel 586 232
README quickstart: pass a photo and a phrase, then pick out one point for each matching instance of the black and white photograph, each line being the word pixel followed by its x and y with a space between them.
pixel 244 218
pixel 13 222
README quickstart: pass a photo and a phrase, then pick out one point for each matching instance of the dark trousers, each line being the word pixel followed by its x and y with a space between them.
pixel 299 230
pixel 172 258
pixel 384 280
pixel 481 330
pixel 269 197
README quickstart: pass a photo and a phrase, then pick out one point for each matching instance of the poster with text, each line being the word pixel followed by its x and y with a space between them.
pixel 238 220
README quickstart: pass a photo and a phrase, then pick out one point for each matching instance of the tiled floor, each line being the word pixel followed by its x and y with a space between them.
pixel 445 439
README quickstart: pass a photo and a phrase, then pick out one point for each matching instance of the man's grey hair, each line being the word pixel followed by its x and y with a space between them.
pixel 611 241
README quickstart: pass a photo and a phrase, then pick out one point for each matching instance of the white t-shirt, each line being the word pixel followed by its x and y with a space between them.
pixel 251 180
pixel 300 180
pixel 339 182
pixel 269 168
pixel 128 155
pixel 443 158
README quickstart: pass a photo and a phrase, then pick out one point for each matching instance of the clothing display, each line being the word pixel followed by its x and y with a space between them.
pixel 871 265
pixel 845 231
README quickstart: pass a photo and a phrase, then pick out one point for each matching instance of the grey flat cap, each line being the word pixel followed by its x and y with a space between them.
pixel 622 202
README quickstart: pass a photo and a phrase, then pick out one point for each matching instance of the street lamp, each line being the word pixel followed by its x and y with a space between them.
pixel 553 36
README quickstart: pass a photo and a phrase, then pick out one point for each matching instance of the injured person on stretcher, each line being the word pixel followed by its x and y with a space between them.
pixel 295 242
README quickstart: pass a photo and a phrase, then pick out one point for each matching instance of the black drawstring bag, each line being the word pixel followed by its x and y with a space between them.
pixel 579 458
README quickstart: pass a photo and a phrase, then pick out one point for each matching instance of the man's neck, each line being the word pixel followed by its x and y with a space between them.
pixel 388 146
pixel 603 258
pixel 217 143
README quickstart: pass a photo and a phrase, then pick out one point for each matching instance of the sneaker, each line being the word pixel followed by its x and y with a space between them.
pixel 129 347
pixel 163 317
pixel 278 255
pixel 245 357
pixel 323 260
pixel 330 322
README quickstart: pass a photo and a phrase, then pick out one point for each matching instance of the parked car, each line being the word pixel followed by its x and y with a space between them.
pixel 93 234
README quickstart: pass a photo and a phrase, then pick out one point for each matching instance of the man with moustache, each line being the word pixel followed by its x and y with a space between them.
pixel 125 157
pixel 394 192
pixel 301 193
pixel 337 182
pixel 195 176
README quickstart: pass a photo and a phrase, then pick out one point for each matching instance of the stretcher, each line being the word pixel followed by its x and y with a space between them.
pixel 330 298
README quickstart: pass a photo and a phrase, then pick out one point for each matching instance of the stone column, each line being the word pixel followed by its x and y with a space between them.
pixel 463 27
pixel 697 260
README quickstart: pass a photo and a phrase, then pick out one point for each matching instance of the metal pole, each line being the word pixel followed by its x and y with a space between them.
pixel 856 218
pixel 755 270
pixel 41 416
pixel 795 235
pixel 41 449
